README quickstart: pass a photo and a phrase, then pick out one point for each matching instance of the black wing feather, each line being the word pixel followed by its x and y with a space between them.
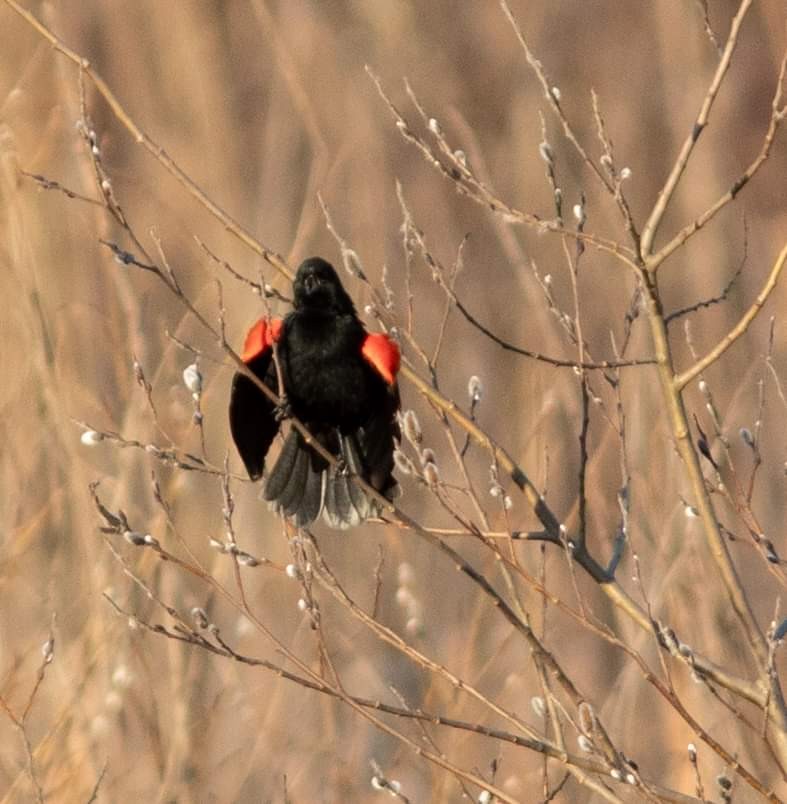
pixel 377 440
pixel 252 420
pixel 279 478
pixel 313 493
pixel 291 498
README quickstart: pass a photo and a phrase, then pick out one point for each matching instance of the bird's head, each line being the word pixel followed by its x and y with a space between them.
pixel 317 287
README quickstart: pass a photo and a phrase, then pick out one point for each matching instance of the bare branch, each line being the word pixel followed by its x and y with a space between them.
pixel 739 329
pixel 665 195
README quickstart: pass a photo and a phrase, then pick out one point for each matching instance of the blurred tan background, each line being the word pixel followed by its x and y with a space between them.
pixel 264 104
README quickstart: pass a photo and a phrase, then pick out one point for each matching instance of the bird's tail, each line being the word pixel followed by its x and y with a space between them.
pixel 302 485
pixel 346 503
pixel 296 485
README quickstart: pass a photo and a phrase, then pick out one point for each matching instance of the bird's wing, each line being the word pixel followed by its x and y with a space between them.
pixel 383 355
pixel 379 436
pixel 261 337
pixel 378 439
pixel 252 416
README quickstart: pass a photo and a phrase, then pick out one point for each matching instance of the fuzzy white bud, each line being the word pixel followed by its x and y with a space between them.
pixel 538 705
pixel 431 473
pixel 545 150
pixel 90 438
pixel 412 427
pixel 132 537
pixel 291 571
pixel 413 626
pixel 584 743
pixel 405 574
pixel 192 378
pixel 428 456
pixel 434 127
pixel 122 677
pixel 475 389
pixel 404 597
pixel 625 173
pixel 403 463
pixel 200 617
pixel 48 650
pixel 352 262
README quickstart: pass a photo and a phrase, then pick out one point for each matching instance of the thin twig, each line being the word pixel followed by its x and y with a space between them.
pixel 739 329
pixel 665 194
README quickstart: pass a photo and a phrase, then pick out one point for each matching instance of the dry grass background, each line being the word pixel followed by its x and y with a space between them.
pixel 264 104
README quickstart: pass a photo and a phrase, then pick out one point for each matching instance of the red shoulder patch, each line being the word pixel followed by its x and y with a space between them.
pixel 261 337
pixel 383 353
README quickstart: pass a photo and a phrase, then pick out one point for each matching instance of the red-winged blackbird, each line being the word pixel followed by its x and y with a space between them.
pixel 339 381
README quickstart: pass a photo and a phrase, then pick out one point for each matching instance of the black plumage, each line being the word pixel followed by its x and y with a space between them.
pixel 340 382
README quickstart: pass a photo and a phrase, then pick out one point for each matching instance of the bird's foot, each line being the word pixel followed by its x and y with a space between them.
pixel 342 467
pixel 283 410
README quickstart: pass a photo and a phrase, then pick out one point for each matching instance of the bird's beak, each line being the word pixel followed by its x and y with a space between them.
pixel 310 282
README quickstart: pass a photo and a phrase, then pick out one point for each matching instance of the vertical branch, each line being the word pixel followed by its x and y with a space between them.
pixel 679 425
pixel 20 721
pixel 668 190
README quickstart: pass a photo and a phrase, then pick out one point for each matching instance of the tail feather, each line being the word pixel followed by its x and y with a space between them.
pixel 296 485
pixel 329 510
pixel 345 509
pixel 339 510
pixel 302 485
pixel 351 451
pixel 313 494
pixel 346 503
pixel 291 498
pixel 280 475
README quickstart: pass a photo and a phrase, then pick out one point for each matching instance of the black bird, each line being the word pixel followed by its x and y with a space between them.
pixel 340 382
